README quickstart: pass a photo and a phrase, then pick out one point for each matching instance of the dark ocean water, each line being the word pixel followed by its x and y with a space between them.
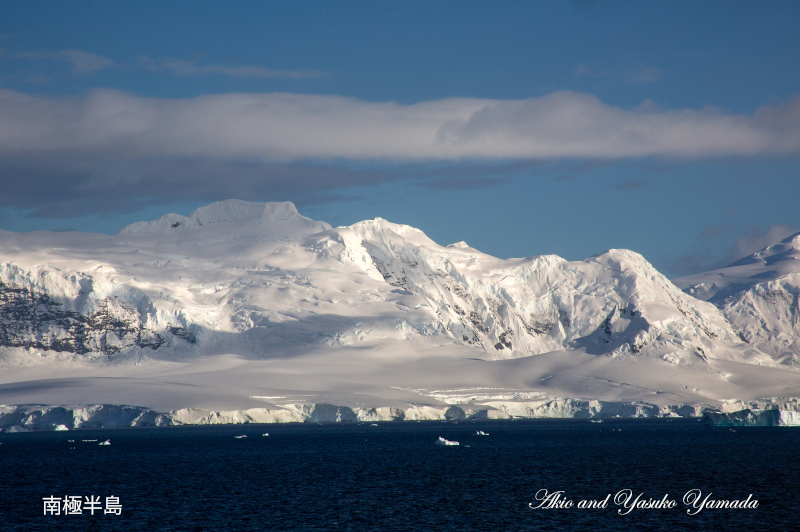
pixel 392 477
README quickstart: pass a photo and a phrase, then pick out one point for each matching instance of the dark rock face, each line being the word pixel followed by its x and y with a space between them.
pixel 32 319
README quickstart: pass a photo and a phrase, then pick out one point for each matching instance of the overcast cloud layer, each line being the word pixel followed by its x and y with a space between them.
pixel 286 127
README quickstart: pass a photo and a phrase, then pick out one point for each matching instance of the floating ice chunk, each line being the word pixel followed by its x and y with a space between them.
pixel 107 442
pixel 373 425
pixel 265 434
pixel 61 427
pixel 481 433
pixel 442 441
pixel 239 437
pixel 595 421
pixel 88 440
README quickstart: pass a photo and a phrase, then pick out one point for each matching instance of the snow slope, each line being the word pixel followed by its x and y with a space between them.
pixel 243 306
pixel 760 296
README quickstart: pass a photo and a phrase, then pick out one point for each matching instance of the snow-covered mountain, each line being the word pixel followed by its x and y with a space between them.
pixel 760 296
pixel 244 304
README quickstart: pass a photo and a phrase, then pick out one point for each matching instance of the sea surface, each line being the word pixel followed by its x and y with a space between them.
pixel 392 476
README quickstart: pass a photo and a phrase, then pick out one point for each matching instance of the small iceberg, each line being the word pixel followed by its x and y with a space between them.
pixel 595 421
pixel 265 434
pixel 88 440
pixel 107 442
pixel 481 433
pixel 239 437
pixel 373 425
pixel 61 427
pixel 442 441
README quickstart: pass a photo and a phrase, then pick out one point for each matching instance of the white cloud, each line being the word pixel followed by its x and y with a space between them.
pixel 82 62
pixel 285 127
pixel 88 62
pixel 638 75
pixel 85 62
pixel 180 67
pixel 581 70
pixel 646 75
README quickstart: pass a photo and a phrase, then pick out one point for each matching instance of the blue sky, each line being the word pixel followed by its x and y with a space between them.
pixel 524 128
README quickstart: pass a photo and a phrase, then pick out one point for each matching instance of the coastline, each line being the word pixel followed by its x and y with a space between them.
pixel 29 417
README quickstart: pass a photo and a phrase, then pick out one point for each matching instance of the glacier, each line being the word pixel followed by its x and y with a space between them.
pixel 247 312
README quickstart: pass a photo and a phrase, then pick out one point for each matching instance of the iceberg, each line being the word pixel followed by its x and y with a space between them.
pixel 442 441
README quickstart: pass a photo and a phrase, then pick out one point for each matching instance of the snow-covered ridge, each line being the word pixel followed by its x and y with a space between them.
pixel 614 303
pixel 760 296
pixel 49 310
pixel 242 301
pixel 772 263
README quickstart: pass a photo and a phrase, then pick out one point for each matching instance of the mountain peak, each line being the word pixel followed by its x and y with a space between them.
pixel 787 248
pixel 227 211
pixel 237 210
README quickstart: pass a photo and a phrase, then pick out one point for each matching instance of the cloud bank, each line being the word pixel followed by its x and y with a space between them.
pixel 60 186
pixel 288 127
pixel 112 152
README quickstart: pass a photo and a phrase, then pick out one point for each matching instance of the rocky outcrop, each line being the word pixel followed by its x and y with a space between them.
pixel 47 310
